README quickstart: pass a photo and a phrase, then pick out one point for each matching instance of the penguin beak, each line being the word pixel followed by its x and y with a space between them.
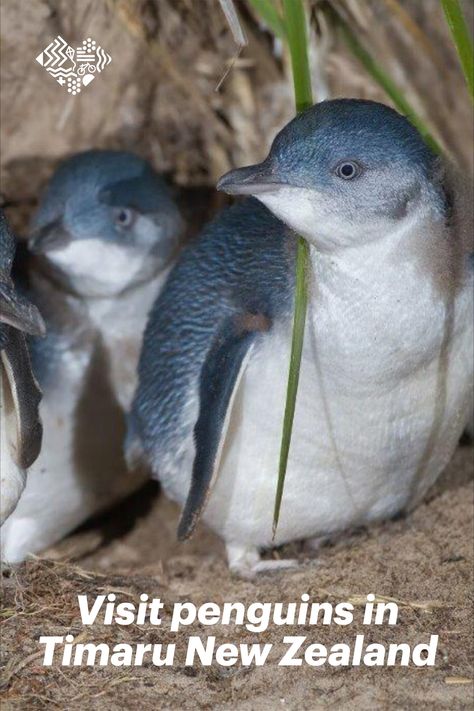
pixel 251 180
pixel 17 311
pixel 49 237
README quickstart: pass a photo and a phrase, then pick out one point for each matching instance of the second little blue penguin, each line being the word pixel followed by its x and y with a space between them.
pixel 105 233
pixel 20 425
pixel 386 377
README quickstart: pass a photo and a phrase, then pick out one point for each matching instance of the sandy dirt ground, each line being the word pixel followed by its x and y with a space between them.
pixel 424 561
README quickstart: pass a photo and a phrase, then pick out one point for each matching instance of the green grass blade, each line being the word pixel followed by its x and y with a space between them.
pixel 295 23
pixel 267 10
pixel 301 301
pixel 386 82
pixel 462 39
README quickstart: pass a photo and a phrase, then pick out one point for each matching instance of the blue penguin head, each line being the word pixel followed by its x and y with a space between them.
pixel 343 172
pixel 106 220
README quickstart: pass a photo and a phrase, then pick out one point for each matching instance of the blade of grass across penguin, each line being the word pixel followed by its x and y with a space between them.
pixel 296 33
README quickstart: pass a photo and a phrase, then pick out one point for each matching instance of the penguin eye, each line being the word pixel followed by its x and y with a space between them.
pixel 124 217
pixel 348 169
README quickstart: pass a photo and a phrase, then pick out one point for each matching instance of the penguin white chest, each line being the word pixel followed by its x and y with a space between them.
pixel 80 469
pixel 121 322
pixel 383 397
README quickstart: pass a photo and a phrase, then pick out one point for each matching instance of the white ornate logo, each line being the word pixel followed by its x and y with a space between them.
pixel 73 68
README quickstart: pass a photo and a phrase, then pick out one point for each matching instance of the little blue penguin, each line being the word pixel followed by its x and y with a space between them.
pixel 386 375
pixel 20 425
pixel 104 236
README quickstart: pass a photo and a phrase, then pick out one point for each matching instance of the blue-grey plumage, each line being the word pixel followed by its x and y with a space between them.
pixel 240 265
pixel 231 284
pixel 387 355
pixel 104 235
pixel 20 425
pixel 15 310
pixel 372 140
pixel 7 245
pixel 110 197
pixel 7 252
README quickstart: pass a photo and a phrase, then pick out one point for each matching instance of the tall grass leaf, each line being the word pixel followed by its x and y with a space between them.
pixel 295 24
pixel 462 39
pixel 267 10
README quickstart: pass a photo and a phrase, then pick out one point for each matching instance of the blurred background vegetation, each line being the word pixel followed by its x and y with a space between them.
pixel 158 96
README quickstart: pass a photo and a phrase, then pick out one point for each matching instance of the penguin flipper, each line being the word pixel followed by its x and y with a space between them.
pixel 18 312
pixel 220 377
pixel 25 398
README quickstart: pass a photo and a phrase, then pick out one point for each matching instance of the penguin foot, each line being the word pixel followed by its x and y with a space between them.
pixel 245 561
